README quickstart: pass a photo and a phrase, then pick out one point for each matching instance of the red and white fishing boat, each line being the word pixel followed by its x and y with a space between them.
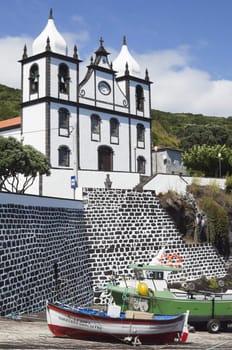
pixel 113 326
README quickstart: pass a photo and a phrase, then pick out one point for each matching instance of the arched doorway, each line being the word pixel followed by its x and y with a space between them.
pixel 105 158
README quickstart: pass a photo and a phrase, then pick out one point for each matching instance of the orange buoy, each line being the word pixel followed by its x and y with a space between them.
pixel 175 260
pixel 164 259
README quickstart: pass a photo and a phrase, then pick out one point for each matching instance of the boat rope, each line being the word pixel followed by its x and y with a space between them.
pixel 125 299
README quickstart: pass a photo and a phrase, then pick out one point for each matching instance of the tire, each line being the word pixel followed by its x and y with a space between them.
pixel 213 326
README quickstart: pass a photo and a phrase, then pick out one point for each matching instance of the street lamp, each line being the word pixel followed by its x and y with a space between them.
pixel 135 157
pixel 156 166
pixel 220 163
pixel 73 131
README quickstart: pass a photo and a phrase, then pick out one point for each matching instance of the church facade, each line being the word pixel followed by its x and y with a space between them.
pixel 95 132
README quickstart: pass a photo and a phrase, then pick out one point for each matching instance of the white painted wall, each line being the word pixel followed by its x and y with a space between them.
pixel 33 126
pixel 59 183
pixel 56 139
pixel 133 110
pixel 163 183
pixel 16 133
pixel 89 148
pixel 90 94
pixel 72 96
pixel 26 83
pixel 119 180
pixel 144 152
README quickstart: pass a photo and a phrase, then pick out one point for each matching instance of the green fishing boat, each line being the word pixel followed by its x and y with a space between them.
pixel 149 292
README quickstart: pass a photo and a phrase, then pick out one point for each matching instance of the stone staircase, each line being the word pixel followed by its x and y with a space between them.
pixel 143 181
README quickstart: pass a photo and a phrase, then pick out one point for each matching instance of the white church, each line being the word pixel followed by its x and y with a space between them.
pixel 95 132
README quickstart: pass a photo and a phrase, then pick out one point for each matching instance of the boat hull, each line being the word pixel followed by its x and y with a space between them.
pixel 68 322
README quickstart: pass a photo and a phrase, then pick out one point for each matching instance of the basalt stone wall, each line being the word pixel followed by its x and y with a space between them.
pixel 87 241
pixel 36 235
pixel 125 226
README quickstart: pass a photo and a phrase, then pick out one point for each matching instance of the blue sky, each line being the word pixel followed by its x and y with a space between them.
pixel 185 44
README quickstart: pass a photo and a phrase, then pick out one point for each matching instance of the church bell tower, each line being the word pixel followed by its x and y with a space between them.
pixel 50 79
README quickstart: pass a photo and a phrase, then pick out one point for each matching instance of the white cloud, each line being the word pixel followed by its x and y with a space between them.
pixel 79 39
pixel 78 20
pixel 11 49
pixel 178 87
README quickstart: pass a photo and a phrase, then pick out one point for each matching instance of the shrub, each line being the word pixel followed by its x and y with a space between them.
pixel 228 184
pixel 217 223
pixel 213 283
pixel 195 189
pixel 214 188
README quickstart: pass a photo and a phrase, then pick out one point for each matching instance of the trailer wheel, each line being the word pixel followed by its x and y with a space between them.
pixel 213 326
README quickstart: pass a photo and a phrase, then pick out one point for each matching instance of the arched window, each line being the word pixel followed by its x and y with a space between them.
pixel 139 98
pixel 63 122
pixel 34 78
pixel 95 127
pixel 140 136
pixel 105 158
pixel 64 156
pixel 63 77
pixel 114 130
pixel 141 162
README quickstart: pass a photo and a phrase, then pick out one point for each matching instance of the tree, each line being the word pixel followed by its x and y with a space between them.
pixel 20 165
pixel 210 135
pixel 218 224
pixel 211 161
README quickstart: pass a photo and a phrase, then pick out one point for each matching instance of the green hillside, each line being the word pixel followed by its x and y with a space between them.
pixel 10 100
pixel 177 129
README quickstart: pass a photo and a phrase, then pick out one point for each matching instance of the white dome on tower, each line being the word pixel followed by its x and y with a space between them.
pixel 56 41
pixel 125 58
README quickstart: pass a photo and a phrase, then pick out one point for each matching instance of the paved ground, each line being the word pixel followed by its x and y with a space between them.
pixel 32 333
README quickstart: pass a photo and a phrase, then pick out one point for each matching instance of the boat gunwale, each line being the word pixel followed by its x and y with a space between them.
pixel 129 291
pixel 105 318
pixel 147 267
